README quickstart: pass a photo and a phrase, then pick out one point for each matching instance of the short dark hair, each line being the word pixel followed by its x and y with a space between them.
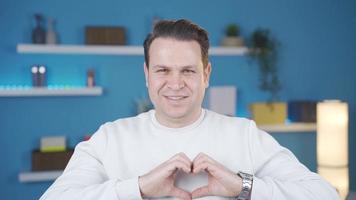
pixel 182 29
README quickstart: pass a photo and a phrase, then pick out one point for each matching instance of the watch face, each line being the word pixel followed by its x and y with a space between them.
pixel 245 175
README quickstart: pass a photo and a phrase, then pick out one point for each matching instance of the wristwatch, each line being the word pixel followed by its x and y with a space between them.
pixel 247 180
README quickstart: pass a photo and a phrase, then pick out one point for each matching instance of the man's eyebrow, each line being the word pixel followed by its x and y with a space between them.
pixel 159 66
pixel 189 67
pixel 183 67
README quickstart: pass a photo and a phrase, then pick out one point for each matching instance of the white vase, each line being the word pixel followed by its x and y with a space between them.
pixel 51 36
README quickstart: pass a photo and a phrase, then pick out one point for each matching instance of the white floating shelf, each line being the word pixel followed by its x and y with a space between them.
pixel 292 127
pixel 228 51
pixel 80 49
pixel 26 177
pixel 111 50
pixel 26 92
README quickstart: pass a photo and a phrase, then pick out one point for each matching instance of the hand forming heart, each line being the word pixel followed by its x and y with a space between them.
pixel 160 181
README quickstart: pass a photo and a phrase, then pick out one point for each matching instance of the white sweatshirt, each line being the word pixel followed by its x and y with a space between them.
pixel 108 165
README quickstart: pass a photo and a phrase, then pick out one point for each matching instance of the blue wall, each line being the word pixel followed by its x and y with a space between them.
pixel 316 62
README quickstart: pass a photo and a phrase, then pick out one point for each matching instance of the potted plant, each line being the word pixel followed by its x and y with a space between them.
pixel 264 52
pixel 232 36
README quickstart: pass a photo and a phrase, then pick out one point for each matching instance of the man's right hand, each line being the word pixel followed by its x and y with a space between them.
pixel 160 181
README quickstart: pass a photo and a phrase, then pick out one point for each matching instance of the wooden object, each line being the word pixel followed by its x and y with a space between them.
pixel 42 161
pixel 105 35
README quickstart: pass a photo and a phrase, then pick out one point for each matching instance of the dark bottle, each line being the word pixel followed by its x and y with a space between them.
pixel 39 33
pixel 34 72
pixel 42 76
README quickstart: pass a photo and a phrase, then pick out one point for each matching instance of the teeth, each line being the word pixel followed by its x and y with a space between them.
pixel 175 97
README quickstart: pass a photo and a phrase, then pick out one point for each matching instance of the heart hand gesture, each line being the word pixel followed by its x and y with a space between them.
pixel 221 181
pixel 160 181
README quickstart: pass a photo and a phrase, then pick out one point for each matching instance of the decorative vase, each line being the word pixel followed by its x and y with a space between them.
pixel 90 78
pixel 39 33
pixel 51 36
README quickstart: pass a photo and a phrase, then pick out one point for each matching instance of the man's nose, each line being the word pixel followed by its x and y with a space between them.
pixel 175 81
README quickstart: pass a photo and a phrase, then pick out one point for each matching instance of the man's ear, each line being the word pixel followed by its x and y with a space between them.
pixel 145 69
pixel 207 72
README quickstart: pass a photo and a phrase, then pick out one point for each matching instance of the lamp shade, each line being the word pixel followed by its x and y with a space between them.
pixel 332 144
pixel 332 133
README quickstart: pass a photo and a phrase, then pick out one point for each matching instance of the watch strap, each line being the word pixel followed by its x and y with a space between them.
pixel 247 180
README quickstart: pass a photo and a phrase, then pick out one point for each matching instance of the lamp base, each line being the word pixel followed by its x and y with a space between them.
pixel 338 177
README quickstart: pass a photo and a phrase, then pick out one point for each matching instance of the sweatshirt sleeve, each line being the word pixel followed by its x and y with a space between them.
pixel 85 176
pixel 279 175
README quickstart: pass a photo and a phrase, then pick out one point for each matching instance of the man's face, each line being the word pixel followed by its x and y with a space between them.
pixel 176 80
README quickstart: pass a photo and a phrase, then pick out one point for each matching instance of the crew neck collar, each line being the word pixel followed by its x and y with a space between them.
pixel 181 129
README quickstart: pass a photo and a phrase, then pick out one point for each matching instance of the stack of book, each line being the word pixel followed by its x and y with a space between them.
pixel 52 155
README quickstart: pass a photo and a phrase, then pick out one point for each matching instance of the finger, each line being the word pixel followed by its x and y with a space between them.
pixel 175 175
pixel 201 158
pixel 181 154
pixel 197 160
pixel 187 163
pixel 203 155
pixel 182 194
pixel 201 192
pixel 198 157
pixel 177 164
pixel 182 157
pixel 211 168
pixel 199 167
pixel 200 161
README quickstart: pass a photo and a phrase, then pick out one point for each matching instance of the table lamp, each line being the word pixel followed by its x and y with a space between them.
pixel 332 144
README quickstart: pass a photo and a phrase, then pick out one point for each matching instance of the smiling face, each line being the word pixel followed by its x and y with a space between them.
pixel 176 80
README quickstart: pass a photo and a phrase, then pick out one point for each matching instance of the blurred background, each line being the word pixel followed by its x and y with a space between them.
pixel 316 52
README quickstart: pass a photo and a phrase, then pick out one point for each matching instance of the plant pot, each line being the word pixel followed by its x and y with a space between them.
pixel 269 113
pixel 232 42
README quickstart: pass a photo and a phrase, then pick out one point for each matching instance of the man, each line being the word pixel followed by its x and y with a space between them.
pixel 179 150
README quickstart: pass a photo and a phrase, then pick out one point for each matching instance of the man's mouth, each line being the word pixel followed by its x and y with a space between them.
pixel 176 98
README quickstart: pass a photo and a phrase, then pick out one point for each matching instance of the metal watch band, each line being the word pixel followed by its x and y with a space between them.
pixel 246 185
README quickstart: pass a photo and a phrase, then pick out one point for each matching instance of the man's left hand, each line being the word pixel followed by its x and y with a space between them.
pixel 221 181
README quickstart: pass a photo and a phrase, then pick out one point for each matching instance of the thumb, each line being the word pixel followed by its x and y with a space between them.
pixel 201 192
pixel 182 194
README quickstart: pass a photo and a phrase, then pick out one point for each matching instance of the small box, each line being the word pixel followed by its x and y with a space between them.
pixel 42 161
pixel 302 111
pixel 97 35
pixel 269 113
pixel 53 144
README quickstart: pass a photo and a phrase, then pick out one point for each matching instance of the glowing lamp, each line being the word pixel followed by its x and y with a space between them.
pixel 332 144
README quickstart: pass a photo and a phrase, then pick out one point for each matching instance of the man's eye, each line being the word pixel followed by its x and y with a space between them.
pixel 189 71
pixel 162 70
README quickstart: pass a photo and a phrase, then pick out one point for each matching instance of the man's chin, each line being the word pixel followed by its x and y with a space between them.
pixel 176 113
pixel 178 117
